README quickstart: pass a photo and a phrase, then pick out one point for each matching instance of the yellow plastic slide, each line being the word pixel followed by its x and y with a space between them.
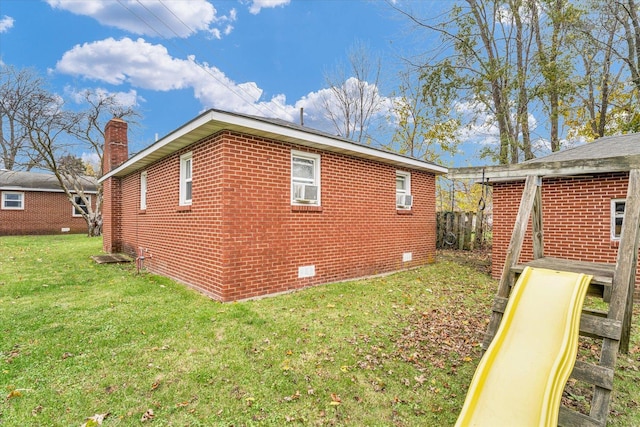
pixel 520 379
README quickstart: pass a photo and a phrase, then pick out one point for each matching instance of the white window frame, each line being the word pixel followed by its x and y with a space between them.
pixel 315 158
pixel 186 179
pixel 74 210
pixel 407 189
pixel 143 190
pixel 615 216
pixel 12 208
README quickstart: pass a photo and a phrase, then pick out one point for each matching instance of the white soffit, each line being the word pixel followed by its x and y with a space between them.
pixel 214 121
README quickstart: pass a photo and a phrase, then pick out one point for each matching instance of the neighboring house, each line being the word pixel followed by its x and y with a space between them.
pixel 238 206
pixel 34 203
pixel 583 198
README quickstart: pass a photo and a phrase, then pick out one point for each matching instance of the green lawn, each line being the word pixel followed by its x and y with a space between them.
pixel 80 339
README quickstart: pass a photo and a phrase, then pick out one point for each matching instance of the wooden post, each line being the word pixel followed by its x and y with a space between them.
pixel 536 223
pixel 513 252
pixel 625 275
pixel 620 308
pixel 461 229
pixel 468 230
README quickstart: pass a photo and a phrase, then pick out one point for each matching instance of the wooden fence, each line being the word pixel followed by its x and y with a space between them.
pixel 460 230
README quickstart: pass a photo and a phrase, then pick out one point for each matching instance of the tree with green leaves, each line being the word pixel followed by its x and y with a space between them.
pixel 418 117
pixel 507 61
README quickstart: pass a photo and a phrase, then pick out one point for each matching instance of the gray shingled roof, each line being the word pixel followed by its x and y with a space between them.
pixel 212 121
pixel 36 181
pixel 607 147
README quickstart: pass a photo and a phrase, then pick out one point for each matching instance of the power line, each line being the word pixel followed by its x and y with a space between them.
pixel 192 59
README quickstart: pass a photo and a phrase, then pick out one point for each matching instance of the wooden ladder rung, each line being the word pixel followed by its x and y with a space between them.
pixel 600 327
pixel 499 304
pixel 600 376
pixel 569 418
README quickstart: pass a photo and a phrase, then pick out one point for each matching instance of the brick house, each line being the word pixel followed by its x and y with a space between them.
pixel 34 203
pixel 238 206
pixel 583 198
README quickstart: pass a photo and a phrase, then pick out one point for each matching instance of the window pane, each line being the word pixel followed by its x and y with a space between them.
pixel 187 194
pixel 143 190
pixel 12 200
pixel 619 208
pixel 401 183
pixel 82 205
pixel 618 227
pixel 187 169
pixel 303 169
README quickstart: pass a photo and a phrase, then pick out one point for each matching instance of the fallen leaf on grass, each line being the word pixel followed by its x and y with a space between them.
pixel 147 415
pixel 335 400
pixel 94 421
pixel 13 394
pixel 294 396
pixel 421 379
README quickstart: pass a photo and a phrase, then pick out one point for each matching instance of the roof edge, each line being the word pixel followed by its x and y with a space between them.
pixel 264 127
pixel 520 171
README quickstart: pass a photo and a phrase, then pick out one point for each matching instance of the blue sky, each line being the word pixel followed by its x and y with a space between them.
pixel 173 59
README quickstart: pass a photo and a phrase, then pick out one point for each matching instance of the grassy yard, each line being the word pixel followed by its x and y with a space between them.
pixel 80 339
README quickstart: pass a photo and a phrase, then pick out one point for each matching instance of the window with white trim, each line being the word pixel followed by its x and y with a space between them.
pixel 143 190
pixel 404 199
pixel 305 178
pixel 81 203
pixel 13 200
pixel 186 166
pixel 617 215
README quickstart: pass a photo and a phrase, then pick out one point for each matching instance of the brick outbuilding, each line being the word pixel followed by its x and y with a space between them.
pixel 34 203
pixel 238 206
pixel 583 193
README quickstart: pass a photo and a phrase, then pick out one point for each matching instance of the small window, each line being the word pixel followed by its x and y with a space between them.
pixel 143 190
pixel 617 215
pixel 404 199
pixel 12 200
pixel 305 178
pixel 81 203
pixel 185 179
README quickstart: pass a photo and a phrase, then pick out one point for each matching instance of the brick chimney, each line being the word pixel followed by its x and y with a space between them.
pixel 116 146
pixel 116 152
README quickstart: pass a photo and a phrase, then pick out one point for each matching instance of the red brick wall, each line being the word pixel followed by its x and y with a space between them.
pixel 576 219
pixel 44 213
pixel 242 238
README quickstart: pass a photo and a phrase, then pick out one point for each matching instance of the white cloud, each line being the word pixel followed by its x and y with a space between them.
pixel 126 99
pixel 167 19
pixel 6 23
pixel 257 5
pixel 316 115
pixel 150 66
